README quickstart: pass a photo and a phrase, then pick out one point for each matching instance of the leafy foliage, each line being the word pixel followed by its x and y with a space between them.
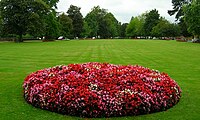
pixel 51 3
pixel 183 28
pixel 192 17
pixel 86 30
pixel 122 32
pixel 93 19
pixel 165 29
pixel 39 18
pixel 152 19
pixel 77 20
pixel 108 26
pixel 22 16
pixel 65 25
pixel 1 26
pixel 178 8
pixel 51 26
pixel 136 27
pixel 102 23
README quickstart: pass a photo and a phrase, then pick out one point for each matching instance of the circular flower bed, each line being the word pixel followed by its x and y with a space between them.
pixel 101 90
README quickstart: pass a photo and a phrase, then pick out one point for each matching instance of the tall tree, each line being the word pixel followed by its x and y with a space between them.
pixel 51 26
pixel 113 25
pixel 51 3
pixel 165 29
pixel 86 30
pixel 77 18
pixel 108 26
pixel 51 22
pixel 136 26
pixel 1 26
pixel 131 28
pixel 93 19
pixel 19 15
pixel 152 19
pixel 183 27
pixel 191 16
pixel 123 30
pixel 178 8
pixel 102 23
pixel 65 25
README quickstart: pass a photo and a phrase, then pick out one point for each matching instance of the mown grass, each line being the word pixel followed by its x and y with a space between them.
pixel 180 60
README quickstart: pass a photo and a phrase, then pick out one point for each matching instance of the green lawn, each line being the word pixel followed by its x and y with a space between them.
pixel 180 60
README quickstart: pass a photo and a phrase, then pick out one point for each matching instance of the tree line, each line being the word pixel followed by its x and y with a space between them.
pixel 151 24
pixel 39 18
pixel 187 12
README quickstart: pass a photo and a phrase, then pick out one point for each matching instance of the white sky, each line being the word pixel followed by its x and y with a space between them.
pixel 123 10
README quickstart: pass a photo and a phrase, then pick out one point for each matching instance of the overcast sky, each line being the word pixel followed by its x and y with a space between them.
pixel 122 9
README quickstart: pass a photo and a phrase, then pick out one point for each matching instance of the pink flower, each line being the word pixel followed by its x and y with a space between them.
pixel 101 90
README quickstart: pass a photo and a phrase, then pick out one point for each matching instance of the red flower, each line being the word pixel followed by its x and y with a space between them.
pixel 101 90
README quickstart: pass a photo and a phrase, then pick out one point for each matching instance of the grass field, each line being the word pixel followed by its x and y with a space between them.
pixel 180 60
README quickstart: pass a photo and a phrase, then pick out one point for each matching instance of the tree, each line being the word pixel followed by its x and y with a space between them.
pixel 131 28
pixel 178 8
pixel 135 27
pixel 65 25
pixel 93 19
pixel 113 25
pixel 142 18
pixel 51 26
pixel 174 30
pixel 52 29
pixel 86 30
pixel 19 15
pixel 77 18
pixel 152 19
pixel 51 3
pixel 165 29
pixel 183 28
pixel 1 26
pixel 102 23
pixel 123 30
pixel 108 26
pixel 191 16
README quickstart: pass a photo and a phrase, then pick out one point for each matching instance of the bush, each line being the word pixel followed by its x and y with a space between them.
pixel 101 90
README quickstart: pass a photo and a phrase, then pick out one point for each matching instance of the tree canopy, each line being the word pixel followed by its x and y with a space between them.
pixel 178 8
pixel 22 16
pixel 184 28
pixel 192 17
pixel 65 25
pixel 77 20
pixel 151 20
pixel 40 18
pixel 51 26
pixel 93 19
pixel 122 31
pixel 108 26
pixel 165 29
pixel 51 3
pixel 102 23
pixel 151 24
pixel 136 26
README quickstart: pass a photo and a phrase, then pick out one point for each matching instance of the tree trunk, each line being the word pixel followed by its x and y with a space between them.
pixel 20 38
pixel 196 38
